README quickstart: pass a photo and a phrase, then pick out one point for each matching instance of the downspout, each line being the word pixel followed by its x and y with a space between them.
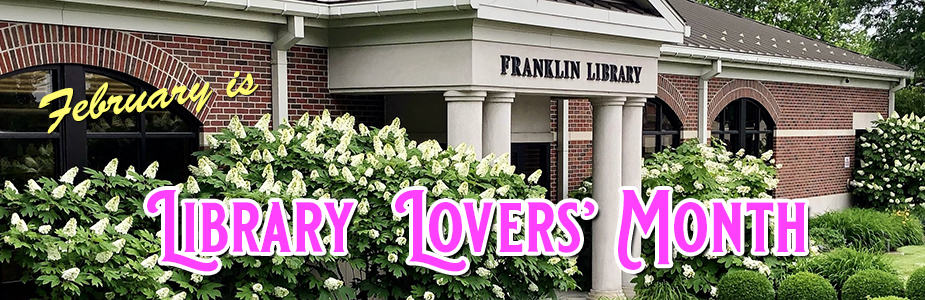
pixel 295 32
pixel 703 134
pixel 562 149
pixel 892 105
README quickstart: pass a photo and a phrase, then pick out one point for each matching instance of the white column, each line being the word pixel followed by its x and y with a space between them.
pixel 606 277
pixel 632 164
pixel 563 150
pixel 464 119
pixel 496 123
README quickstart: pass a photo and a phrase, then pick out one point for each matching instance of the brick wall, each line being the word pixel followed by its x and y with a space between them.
pixel 812 166
pixel 165 60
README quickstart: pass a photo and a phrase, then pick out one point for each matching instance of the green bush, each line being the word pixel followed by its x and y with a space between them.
pixel 806 286
pixel 744 285
pixel 871 284
pixel 315 158
pixel 871 229
pixel 839 264
pixel 703 172
pixel 890 173
pixel 889 298
pixel 915 287
pixel 827 238
pixel 664 291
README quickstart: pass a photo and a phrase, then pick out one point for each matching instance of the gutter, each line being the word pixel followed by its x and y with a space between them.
pixel 329 10
pixel 703 134
pixel 279 67
pixel 758 59
pixel 892 104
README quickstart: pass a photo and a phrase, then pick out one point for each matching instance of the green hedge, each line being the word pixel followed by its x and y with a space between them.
pixel 839 264
pixel 915 288
pixel 868 284
pixel 871 229
pixel 744 285
pixel 806 286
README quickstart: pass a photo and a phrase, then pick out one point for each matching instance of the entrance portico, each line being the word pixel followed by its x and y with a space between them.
pixel 487 80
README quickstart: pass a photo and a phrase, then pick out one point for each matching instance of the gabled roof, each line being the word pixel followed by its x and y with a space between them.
pixel 719 30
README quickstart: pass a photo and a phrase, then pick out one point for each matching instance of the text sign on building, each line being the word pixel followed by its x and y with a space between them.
pixel 568 69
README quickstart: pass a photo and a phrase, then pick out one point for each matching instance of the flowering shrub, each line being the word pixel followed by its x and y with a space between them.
pixel 703 172
pixel 92 240
pixel 891 167
pixel 324 158
pixel 87 240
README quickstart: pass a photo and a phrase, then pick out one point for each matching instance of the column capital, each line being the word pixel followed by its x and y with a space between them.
pixel 500 97
pixel 464 96
pixel 608 101
pixel 636 101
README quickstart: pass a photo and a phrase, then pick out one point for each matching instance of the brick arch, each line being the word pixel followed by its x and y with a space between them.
pixel 738 89
pixel 43 44
pixel 672 96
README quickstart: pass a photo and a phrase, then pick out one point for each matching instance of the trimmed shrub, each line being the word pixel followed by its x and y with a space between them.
pixel 839 264
pixel 889 173
pixel 744 285
pixel 806 286
pixel 890 298
pixel 870 284
pixel 915 287
pixel 871 229
pixel 827 238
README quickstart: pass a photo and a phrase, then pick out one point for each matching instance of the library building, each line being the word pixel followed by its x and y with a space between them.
pixel 576 88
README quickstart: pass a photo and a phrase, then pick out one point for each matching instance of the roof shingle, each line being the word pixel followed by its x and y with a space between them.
pixel 719 30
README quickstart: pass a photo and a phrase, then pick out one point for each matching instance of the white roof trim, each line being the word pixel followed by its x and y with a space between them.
pixel 709 54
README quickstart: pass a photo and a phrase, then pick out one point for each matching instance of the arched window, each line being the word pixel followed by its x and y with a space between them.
pixel 745 124
pixel 661 128
pixel 27 151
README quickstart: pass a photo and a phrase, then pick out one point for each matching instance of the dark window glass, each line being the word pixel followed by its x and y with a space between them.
pixel 109 121
pixel 661 128
pixel 20 96
pixel 101 150
pixel 745 124
pixel 24 159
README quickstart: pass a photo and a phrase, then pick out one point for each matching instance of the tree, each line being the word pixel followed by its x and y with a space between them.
pixel 826 20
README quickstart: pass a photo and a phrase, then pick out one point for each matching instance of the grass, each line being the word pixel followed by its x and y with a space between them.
pixel 908 259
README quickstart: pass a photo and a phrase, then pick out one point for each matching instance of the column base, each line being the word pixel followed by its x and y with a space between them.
pixel 606 295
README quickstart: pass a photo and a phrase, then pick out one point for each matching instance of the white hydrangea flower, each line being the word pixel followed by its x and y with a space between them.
pixel 118 244
pixel 163 292
pixel 441 281
pixel 195 278
pixel 333 284
pixel 363 207
pixel 53 254
pixel 428 295
pixel 151 171
pixel 281 151
pixel 235 147
pixel 498 291
pixel 164 277
pixel 44 229
pixel 267 156
pixel 179 296
pixel 59 191
pixel 743 189
pixel 393 257
pixel 113 204
pixel 401 241
pixel 70 229
pixel 409 298
pixel 236 128
pixel 280 292
pixel 482 272
pixel 503 190
pixel 70 274
pixel 463 189
pixel 713 291
pixel 348 176
pixel 688 271
pixel 100 226
pixel 68 176
pixel 111 167
pixel 373 234
pixel 124 226
pixel 532 287
pixel 649 279
pixel 150 261
pixel 32 186
pixel 255 297
pixel 553 260
pixel 257 287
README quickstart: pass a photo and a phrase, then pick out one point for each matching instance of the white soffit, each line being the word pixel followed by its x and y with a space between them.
pixel 668 28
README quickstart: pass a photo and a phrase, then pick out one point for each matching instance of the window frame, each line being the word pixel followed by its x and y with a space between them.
pixel 741 130
pixel 72 136
pixel 662 111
